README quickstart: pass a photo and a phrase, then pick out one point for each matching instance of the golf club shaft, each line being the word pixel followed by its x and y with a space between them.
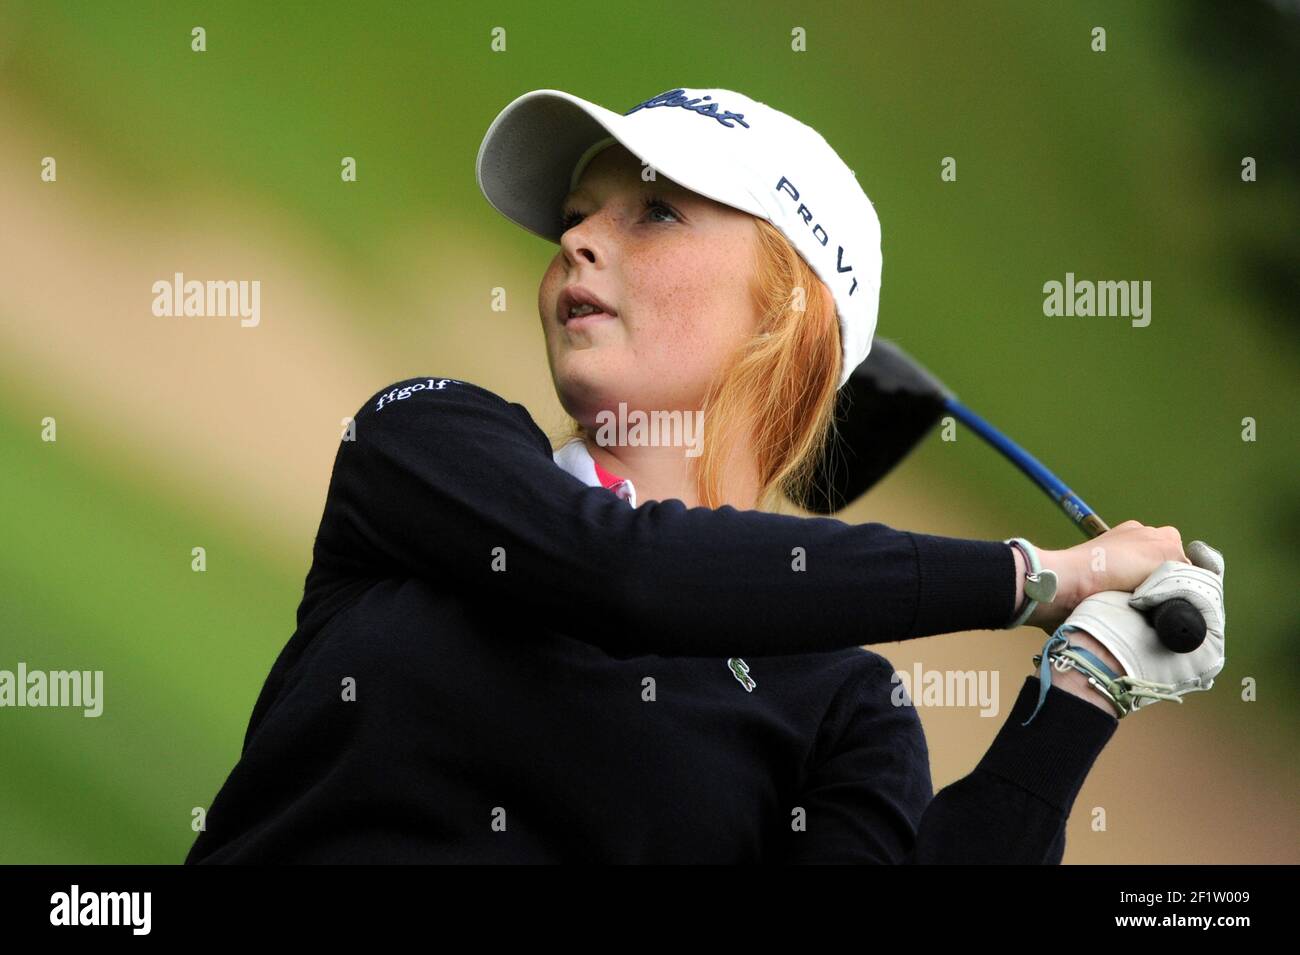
pixel 1074 507
pixel 1179 624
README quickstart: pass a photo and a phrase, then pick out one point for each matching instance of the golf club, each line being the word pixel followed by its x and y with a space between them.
pixel 890 403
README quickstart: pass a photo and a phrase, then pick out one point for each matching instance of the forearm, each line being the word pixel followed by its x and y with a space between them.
pixel 1012 807
pixel 457 486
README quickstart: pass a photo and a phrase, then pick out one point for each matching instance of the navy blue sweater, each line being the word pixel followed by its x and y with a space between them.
pixel 495 662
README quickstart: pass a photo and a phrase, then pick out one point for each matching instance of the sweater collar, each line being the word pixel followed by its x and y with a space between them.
pixel 574 457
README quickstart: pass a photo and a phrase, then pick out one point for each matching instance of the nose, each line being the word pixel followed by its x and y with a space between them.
pixel 577 246
pixel 583 252
pixel 584 240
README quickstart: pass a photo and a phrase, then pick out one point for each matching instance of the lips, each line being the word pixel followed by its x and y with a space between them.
pixel 574 295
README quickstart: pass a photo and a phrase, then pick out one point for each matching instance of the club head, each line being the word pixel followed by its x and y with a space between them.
pixel 883 411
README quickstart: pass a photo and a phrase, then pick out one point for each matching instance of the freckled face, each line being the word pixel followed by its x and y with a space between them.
pixel 679 274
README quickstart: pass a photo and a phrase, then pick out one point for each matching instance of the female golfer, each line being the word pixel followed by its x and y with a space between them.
pixel 612 650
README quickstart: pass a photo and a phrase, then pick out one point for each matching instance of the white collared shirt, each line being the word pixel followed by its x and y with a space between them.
pixel 577 460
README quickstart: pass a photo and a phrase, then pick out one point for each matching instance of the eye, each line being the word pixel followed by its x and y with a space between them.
pixel 654 202
pixel 571 217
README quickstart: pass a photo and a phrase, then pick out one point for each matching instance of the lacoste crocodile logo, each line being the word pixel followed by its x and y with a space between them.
pixel 740 670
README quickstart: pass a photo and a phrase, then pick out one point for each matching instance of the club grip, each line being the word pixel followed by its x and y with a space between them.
pixel 1179 624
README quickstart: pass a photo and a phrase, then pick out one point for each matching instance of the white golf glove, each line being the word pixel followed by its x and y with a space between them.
pixel 1151 670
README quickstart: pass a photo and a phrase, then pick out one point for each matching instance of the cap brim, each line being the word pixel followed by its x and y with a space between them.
pixel 530 151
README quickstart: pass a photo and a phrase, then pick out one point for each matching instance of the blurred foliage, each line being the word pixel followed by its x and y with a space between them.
pixel 1122 165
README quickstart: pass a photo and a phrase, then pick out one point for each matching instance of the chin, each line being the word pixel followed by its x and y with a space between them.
pixel 583 387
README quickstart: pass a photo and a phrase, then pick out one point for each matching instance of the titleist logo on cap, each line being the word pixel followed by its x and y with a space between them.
pixel 678 97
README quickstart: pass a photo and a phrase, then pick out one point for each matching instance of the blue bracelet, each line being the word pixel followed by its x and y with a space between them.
pixel 1053 657
pixel 1040 585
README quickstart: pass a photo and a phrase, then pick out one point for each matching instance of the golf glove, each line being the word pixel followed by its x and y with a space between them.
pixel 1151 670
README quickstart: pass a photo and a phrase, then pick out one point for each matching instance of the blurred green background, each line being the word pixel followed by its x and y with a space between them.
pixel 177 433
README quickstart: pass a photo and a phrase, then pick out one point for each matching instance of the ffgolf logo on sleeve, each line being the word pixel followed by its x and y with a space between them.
pixel 102 908
pixel 401 394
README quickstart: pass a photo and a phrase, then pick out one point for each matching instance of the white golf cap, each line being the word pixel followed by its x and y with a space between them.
pixel 718 143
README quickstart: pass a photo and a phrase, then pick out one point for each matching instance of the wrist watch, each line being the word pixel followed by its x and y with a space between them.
pixel 1040 584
